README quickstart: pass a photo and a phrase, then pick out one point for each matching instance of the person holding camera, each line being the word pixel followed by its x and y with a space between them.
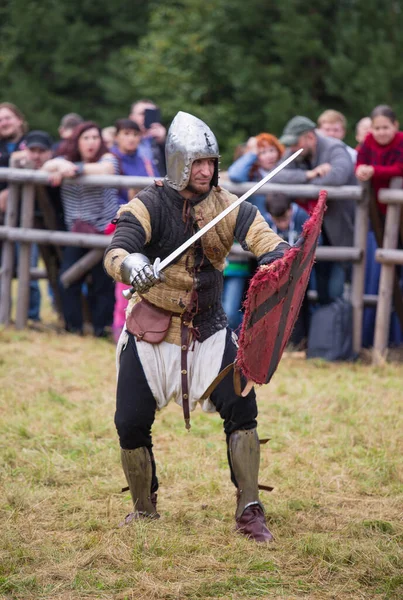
pixel 152 146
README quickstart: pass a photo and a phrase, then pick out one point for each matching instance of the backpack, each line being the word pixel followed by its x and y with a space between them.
pixel 331 332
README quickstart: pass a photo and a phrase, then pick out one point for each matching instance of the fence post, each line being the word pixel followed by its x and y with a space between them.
pixel 358 275
pixel 385 293
pixel 24 256
pixel 8 255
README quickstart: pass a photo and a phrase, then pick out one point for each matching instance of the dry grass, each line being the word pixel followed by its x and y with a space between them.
pixel 335 460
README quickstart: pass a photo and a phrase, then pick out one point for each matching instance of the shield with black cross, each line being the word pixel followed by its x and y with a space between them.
pixel 273 302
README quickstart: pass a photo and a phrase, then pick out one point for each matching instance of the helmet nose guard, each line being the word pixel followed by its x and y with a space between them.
pixel 188 139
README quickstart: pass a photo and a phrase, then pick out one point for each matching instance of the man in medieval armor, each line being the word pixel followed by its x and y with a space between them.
pixel 176 340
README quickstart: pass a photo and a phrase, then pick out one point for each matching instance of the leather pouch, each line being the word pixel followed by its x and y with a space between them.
pixel 148 322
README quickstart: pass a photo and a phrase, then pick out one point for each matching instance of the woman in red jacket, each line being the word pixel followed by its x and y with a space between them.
pixel 381 155
pixel 380 158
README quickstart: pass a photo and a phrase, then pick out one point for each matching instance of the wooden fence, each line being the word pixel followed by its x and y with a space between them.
pixel 22 185
pixel 389 257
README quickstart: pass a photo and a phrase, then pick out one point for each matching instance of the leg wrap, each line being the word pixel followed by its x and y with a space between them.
pixel 138 470
pixel 244 452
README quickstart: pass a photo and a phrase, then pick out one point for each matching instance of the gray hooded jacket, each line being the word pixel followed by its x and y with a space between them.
pixel 339 217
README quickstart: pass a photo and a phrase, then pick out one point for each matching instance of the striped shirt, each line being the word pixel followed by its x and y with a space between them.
pixel 94 205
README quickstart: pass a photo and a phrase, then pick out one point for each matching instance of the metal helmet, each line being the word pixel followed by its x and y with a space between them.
pixel 188 139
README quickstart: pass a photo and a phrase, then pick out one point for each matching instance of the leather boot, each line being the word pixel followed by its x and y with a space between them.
pixel 137 468
pixel 244 452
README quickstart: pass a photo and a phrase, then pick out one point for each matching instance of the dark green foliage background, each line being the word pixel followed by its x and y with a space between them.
pixel 244 67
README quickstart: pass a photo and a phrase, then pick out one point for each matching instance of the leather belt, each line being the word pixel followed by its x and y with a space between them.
pixel 186 334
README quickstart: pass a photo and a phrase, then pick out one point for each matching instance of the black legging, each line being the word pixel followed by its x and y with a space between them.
pixel 136 405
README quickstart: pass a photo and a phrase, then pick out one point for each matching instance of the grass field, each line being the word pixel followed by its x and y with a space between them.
pixel 335 461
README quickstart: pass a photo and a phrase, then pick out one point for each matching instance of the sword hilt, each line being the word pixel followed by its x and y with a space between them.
pixel 127 294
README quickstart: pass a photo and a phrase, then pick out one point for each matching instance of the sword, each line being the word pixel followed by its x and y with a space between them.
pixel 160 265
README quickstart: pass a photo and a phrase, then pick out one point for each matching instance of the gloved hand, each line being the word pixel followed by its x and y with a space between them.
pixel 137 271
pixel 278 252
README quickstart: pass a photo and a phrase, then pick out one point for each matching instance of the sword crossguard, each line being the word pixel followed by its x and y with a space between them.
pixel 156 268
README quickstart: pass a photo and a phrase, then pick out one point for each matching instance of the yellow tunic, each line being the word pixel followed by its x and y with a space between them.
pixel 175 292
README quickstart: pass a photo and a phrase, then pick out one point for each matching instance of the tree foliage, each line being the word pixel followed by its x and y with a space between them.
pixel 244 67
pixel 57 57
pixel 249 67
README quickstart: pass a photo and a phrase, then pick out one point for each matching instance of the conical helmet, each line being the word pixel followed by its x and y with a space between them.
pixel 188 139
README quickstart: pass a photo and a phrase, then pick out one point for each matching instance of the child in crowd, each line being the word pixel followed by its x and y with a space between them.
pixel 380 158
pixel 127 140
pixel 332 123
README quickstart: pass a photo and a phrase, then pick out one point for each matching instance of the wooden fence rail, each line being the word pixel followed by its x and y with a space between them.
pixel 346 192
pixel 25 235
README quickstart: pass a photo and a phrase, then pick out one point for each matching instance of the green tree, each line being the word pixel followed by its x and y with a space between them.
pixel 57 57
pixel 243 67
pixel 366 67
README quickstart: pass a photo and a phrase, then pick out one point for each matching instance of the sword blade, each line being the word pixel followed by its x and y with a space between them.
pixel 167 261
pixel 160 265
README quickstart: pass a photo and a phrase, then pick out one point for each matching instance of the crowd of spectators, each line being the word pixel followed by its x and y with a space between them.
pixel 134 145
pixel 325 161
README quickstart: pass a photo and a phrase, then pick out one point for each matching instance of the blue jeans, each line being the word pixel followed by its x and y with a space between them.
pixel 34 291
pixel 330 278
pixel 234 288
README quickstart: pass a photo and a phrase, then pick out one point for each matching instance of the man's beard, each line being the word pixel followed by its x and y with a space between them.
pixel 14 136
pixel 199 189
pixel 306 155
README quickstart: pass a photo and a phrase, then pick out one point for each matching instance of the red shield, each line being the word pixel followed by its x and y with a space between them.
pixel 274 299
